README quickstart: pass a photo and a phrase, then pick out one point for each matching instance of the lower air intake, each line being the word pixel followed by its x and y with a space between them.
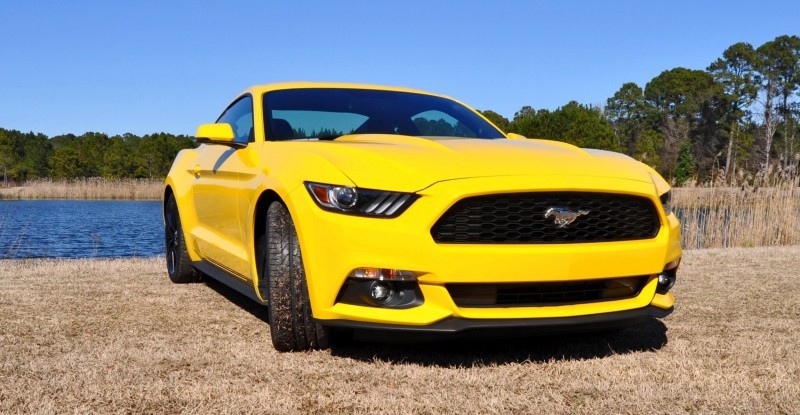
pixel 545 293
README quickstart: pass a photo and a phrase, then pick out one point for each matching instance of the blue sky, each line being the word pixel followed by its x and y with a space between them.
pixel 150 66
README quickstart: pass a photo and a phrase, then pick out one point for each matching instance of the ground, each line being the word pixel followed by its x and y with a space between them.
pixel 115 336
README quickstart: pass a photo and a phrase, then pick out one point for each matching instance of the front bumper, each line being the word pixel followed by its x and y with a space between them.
pixel 334 244
pixel 461 327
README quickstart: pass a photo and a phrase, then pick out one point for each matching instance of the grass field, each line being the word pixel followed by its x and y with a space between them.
pixel 114 336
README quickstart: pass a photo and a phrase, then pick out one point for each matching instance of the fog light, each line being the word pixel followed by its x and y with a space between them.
pixel 380 292
pixel 666 279
pixel 383 274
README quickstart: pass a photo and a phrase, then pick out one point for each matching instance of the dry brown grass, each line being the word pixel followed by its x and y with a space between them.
pixel 114 336
pixel 732 217
pixel 88 189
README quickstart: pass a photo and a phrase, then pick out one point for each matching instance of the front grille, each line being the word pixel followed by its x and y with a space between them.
pixel 519 218
pixel 545 293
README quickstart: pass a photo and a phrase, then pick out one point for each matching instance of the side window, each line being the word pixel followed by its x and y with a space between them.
pixel 240 117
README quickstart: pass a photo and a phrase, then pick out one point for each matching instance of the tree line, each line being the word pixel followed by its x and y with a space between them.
pixel 30 156
pixel 734 122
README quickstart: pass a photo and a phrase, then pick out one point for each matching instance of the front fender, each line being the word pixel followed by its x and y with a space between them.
pixel 179 181
pixel 284 178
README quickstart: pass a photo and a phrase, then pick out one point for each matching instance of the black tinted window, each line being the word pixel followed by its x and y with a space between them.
pixel 240 117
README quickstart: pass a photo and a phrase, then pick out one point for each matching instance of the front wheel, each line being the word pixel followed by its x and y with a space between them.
pixel 179 266
pixel 291 322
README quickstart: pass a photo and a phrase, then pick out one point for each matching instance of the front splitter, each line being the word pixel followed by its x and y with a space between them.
pixel 456 327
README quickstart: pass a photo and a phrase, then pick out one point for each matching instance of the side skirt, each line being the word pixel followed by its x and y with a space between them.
pixel 229 280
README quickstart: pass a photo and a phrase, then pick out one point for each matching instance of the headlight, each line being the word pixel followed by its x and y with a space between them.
pixel 666 201
pixel 356 201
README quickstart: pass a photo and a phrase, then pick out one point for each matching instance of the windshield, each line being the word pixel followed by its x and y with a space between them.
pixel 327 113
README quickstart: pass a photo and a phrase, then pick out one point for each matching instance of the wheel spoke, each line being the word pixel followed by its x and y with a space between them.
pixel 170 237
pixel 171 221
pixel 172 261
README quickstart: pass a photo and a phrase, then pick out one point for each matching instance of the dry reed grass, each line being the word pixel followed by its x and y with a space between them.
pixel 114 336
pixel 738 217
pixel 88 189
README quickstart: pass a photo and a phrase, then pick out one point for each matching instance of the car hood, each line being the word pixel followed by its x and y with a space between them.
pixel 409 164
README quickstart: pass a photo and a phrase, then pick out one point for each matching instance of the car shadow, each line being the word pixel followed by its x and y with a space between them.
pixel 257 310
pixel 649 335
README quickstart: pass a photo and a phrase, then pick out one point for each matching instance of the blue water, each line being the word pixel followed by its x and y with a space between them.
pixel 80 229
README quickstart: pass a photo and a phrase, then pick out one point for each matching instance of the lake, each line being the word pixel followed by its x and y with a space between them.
pixel 80 229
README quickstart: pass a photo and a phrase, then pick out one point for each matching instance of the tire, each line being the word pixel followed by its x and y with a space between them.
pixel 292 325
pixel 179 266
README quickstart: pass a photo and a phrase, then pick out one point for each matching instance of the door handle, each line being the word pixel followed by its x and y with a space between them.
pixel 196 171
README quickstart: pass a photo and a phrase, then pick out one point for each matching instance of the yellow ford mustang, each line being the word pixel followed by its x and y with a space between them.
pixel 344 207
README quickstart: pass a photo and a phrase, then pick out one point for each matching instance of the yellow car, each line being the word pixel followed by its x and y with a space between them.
pixel 348 207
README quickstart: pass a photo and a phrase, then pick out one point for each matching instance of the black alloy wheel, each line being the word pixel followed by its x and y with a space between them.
pixel 179 266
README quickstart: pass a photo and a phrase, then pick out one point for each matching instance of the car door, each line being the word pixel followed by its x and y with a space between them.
pixel 216 194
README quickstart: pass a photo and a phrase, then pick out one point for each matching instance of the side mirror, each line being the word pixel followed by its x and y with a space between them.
pixel 220 133
pixel 515 136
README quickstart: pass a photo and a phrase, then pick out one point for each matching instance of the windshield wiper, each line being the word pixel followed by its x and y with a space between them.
pixel 329 137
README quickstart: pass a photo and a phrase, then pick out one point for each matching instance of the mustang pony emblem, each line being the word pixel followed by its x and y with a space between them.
pixel 563 216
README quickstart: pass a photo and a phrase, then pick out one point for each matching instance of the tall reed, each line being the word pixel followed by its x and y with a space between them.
pixel 88 189
pixel 723 217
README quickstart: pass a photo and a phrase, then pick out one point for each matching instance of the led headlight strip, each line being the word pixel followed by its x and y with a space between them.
pixel 358 201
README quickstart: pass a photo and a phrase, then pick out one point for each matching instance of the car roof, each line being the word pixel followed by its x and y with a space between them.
pixel 260 89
